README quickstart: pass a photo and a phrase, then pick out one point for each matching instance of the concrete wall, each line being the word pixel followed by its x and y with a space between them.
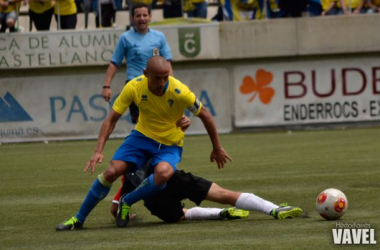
pixel 300 37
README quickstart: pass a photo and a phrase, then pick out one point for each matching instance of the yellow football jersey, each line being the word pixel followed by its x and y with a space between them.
pixel 159 114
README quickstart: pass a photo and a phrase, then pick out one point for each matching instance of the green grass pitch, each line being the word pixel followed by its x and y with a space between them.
pixel 44 184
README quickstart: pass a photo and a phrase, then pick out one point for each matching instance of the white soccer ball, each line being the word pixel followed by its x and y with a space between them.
pixel 331 204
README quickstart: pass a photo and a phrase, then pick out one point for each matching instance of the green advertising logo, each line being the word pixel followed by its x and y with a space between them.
pixel 189 41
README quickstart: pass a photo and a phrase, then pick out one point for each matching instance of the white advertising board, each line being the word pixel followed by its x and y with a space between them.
pixel 307 92
pixel 71 106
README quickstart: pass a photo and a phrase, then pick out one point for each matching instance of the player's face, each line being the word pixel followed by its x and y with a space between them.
pixel 141 19
pixel 157 82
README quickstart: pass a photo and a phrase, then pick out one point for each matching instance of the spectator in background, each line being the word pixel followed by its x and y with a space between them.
pixel 314 7
pixel 84 6
pixel 351 7
pixel 65 13
pixel 286 8
pixel 373 6
pixel 172 8
pixel 40 13
pixel 219 14
pixel 108 12
pixel 239 10
pixel 329 7
pixel 273 10
pixel 197 8
pixel 8 15
pixel 292 8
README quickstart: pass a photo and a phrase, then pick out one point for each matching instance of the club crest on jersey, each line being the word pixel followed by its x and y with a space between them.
pixel 144 98
pixel 170 101
pixel 156 52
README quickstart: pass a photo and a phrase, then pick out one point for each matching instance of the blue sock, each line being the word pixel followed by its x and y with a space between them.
pixel 98 192
pixel 145 189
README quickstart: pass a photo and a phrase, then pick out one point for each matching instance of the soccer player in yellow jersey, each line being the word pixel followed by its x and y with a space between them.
pixel 162 101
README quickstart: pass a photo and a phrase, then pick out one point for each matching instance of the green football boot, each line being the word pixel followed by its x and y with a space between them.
pixel 233 213
pixel 286 212
pixel 71 224
pixel 122 217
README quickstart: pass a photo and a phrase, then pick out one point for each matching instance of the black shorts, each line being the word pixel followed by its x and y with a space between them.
pixel 41 21
pixel 67 21
pixel 167 205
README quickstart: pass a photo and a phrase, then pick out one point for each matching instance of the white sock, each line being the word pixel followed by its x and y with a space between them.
pixel 203 213
pixel 254 203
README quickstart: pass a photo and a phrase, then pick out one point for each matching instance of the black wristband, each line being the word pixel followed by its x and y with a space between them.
pixel 106 87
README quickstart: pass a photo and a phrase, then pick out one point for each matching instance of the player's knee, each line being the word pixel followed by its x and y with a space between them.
pixel 114 170
pixel 162 173
pixel 111 174
pixel 10 23
pixel 221 195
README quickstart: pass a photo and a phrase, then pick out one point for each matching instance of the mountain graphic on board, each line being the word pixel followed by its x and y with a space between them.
pixel 11 110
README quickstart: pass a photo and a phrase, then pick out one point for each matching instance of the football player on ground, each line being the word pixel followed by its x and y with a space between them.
pixel 167 203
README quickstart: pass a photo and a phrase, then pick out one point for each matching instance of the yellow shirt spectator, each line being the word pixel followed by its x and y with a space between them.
pixel 148 2
pixel 65 7
pixel 326 3
pixel 11 6
pixel 350 3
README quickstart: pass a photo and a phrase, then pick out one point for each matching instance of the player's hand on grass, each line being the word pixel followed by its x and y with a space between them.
pixel 220 156
pixel 183 123
pixel 96 157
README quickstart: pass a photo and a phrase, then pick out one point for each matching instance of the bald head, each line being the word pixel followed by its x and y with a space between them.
pixel 157 64
pixel 157 71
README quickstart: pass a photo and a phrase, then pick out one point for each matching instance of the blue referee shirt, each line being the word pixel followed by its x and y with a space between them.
pixel 138 48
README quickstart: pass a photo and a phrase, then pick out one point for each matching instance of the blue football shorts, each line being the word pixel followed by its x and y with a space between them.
pixel 138 149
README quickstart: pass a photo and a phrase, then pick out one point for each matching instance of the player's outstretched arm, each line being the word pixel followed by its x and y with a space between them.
pixel 218 154
pixel 105 131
